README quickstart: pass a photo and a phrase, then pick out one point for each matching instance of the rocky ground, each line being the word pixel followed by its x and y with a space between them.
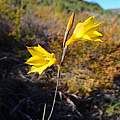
pixel 22 99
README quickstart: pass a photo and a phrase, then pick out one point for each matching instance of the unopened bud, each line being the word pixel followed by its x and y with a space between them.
pixel 70 21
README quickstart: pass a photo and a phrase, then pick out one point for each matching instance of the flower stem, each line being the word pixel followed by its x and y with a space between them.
pixel 63 55
pixel 43 118
pixel 58 72
pixel 65 37
pixel 56 89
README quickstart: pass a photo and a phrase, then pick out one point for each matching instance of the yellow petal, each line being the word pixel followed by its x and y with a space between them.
pixel 36 61
pixel 90 20
pixel 70 40
pixel 90 24
pixel 92 35
pixel 91 28
pixel 97 33
pixel 42 50
pixel 51 62
pixel 79 30
pixel 86 37
pixel 37 50
pixel 32 51
pixel 40 69
pixel 98 40
pixel 37 69
pixel 32 69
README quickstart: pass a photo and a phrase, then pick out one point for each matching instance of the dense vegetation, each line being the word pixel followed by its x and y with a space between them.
pixel 92 83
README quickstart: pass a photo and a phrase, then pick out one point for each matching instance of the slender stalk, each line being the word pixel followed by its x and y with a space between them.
pixel 69 25
pixel 63 55
pixel 58 76
pixel 43 117
pixel 65 37
pixel 56 89
pixel 57 84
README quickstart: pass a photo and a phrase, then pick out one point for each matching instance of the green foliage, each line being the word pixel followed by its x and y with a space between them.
pixel 113 109
pixel 13 11
pixel 59 5
pixel 46 2
pixel 77 5
pixel 6 11
pixel 19 12
pixel 72 5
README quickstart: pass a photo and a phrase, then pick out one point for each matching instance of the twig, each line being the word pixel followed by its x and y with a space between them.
pixel 3 58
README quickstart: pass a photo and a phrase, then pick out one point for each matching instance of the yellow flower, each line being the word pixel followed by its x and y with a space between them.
pixel 85 31
pixel 40 60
